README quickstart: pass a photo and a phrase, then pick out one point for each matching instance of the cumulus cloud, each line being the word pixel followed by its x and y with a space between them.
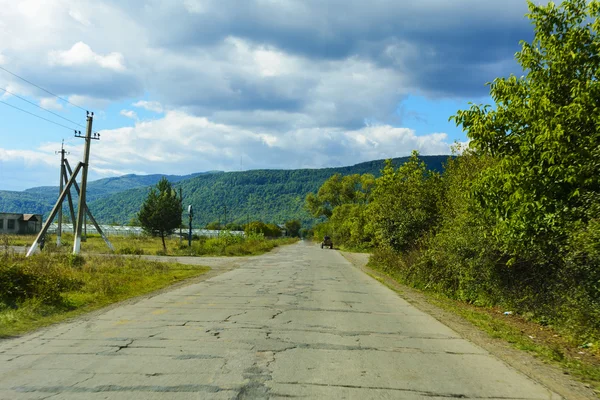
pixel 179 139
pixel 129 114
pixel 21 169
pixel 283 83
pixel 154 106
pixel 81 55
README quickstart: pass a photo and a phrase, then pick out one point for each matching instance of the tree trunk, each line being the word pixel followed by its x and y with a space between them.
pixel 162 235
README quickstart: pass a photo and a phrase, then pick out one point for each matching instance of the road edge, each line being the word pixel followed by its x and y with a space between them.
pixel 547 375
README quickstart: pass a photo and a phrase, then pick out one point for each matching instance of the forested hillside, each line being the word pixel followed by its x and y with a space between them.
pixel 267 195
pixel 40 200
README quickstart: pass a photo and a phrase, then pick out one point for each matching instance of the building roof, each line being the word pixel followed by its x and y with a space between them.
pixel 29 217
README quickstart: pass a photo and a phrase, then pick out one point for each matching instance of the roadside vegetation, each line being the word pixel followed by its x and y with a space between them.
pixel 513 221
pixel 51 287
pixel 226 244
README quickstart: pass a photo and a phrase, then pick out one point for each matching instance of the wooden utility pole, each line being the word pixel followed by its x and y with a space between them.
pixel 66 192
pixel 82 204
pixel 191 215
pixel 89 213
pixel 61 186
pixel 181 202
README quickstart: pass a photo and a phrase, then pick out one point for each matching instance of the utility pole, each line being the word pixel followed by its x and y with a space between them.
pixel 225 222
pixel 70 180
pixel 181 223
pixel 88 212
pixel 191 215
pixel 82 204
pixel 62 153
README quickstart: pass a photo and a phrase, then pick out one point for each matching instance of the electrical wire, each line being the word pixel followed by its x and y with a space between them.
pixel 45 109
pixel 35 115
pixel 41 88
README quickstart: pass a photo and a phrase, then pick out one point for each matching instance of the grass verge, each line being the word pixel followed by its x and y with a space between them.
pixel 49 288
pixel 225 245
pixel 545 343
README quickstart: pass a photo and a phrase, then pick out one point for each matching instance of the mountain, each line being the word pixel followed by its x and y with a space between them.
pixel 40 200
pixel 267 195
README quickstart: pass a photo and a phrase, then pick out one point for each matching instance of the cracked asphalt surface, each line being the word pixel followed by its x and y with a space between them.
pixel 297 323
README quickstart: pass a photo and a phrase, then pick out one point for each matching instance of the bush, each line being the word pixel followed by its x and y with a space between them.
pixel 43 277
pixel 131 250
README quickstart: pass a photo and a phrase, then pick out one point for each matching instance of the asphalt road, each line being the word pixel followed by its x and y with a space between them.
pixel 300 322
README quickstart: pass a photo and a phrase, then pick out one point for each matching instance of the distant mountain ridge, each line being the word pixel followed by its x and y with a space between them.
pixel 271 195
pixel 41 199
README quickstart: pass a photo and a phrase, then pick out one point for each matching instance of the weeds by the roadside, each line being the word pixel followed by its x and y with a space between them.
pixel 50 287
pixel 224 245
pixel 548 344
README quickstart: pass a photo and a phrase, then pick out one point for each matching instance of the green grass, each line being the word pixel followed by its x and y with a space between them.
pixel 226 245
pixel 559 350
pixel 48 288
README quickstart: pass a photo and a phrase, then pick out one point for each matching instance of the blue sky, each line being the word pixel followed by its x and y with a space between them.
pixel 186 86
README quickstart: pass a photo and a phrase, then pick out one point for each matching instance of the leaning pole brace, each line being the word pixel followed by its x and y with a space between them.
pixel 88 212
pixel 54 211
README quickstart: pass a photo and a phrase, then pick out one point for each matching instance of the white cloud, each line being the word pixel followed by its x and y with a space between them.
pixel 20 169
pixel 51 103
pixel 129 114
pixel 149 105
pixel 78 15
pixel 285 83
pixel 196 6
pixel 82 55
pixel 182 143
pixel 93 103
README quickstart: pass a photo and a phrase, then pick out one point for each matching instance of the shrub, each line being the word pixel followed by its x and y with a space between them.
pixel 42 276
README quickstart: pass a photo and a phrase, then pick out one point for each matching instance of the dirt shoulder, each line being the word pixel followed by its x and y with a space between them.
pixel 553 377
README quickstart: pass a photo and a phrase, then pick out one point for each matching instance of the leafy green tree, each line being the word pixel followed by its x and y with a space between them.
pixel 161 212
pixel 544 132
pixel 233 226
pixel 134 221
pixel 213 226
pixel 404 204
pixel 338 190
pixel 293 228
pixel 273 230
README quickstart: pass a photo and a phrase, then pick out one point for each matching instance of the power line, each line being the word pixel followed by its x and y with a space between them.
pixel 41 88
pixel 45 109
pixel 35 115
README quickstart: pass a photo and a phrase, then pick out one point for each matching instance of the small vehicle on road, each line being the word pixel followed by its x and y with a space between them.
pixel 327 242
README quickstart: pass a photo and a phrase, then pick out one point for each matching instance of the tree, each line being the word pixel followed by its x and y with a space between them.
pixel 293 228
pixel 404 204
pixel 338 190
pixel 161 212
pixel 213 226
pixel 543 131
